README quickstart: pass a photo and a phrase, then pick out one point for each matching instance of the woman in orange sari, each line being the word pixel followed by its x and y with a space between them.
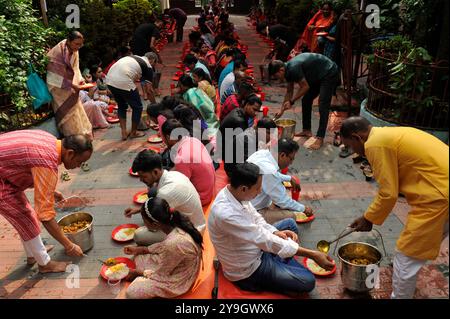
pixel 63 81
pixel 321 22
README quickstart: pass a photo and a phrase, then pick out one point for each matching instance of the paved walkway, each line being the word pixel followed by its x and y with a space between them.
pixel 334 186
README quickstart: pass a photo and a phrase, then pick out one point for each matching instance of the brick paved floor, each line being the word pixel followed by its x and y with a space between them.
pixel 334 186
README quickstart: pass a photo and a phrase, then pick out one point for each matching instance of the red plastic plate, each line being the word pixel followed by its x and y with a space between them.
pixel 87 86
pixel 319 274
pixel 132 173
pixel 307 220
pixel 154 139
pixel 127 261
pixel 138 200
pixel 112 120
pixel 116 230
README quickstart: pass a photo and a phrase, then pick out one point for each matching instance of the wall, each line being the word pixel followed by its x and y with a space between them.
pixel 442 135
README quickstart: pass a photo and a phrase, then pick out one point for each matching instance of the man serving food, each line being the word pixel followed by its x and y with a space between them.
pixel 30 159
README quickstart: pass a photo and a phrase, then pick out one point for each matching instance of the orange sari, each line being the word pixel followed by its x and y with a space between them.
pixel 309 37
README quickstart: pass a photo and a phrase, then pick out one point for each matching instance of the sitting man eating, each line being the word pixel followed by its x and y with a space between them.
pixel 255 255
pixel 273 202
pixel 174 187
pixel 191 158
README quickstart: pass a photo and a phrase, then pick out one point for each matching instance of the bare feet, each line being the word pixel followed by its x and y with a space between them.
pixel 304 133
pixel 125 135
pixel 136 135
pixel 318 142
pixel 53 267
pixel 31 261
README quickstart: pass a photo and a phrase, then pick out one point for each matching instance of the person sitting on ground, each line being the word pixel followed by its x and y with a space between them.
pixel 255 255
pixel 201 101
pixel 191 62
pixel 233 101
pixel 237 119
pixel 191 158
pixel 172 107
pixel 228 67
pixel 232 82
pixel 203 82
pixel 167 269
pixel 95 111
pixel 172 186
pixel 251 141
pixel 121 80
pixel 208 56
pixel 273 202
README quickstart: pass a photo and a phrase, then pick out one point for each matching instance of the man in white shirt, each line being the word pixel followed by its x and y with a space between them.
pixel 121 80
pixel 255 255
pixel 273 203
pixel 172 186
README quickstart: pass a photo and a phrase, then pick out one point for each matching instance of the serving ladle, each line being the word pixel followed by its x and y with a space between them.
pixel 324 246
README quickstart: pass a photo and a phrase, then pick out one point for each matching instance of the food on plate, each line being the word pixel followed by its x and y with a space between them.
pixel 315 268
pixel 117 272
pixel 155 139
pixel 110 262
pixel 125 234
pixel 142 198
pixel 301 216
pixel 287 184
pixel 75 226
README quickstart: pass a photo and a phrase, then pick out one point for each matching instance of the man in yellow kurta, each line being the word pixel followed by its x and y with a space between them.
pixel 414 163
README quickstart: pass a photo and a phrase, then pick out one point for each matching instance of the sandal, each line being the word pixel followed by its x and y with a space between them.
pixel 136 135
pixel 345 152
pixel 337 139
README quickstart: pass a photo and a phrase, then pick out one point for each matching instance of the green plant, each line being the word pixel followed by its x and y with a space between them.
pixel 105 29
pixel 23 40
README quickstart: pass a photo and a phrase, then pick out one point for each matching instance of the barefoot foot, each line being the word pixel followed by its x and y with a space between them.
pixel 53 267
pixel 318 142
pixel 31 261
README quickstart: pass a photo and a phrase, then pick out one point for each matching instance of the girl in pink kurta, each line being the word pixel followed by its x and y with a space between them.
pixel 167 269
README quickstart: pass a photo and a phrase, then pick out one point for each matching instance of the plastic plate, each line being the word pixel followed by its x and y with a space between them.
pixel 154 139
pixel 300 219
pixel 309 264
pixel 140 197
pixel 127 261
pixel 87 86
pixel 132 173
pixel 118 228
pixel 112 120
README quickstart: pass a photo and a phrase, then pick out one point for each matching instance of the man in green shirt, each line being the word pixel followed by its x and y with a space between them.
pixel 316 75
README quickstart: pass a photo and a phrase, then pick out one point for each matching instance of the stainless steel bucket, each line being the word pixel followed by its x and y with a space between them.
pixel 286 128
pixel 84 237
pixel 356 277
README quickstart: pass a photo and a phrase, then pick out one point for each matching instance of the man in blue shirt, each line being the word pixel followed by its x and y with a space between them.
pixel 316 75
pixel 273 203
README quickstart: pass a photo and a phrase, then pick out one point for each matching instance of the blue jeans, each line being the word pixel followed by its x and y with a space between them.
pixel 125 98
pixel 279 275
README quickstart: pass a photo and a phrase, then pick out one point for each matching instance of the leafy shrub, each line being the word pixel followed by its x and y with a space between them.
pixel 23 40
pixel 105 29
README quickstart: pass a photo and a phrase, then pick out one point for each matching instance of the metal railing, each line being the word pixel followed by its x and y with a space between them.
pixel 417 96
